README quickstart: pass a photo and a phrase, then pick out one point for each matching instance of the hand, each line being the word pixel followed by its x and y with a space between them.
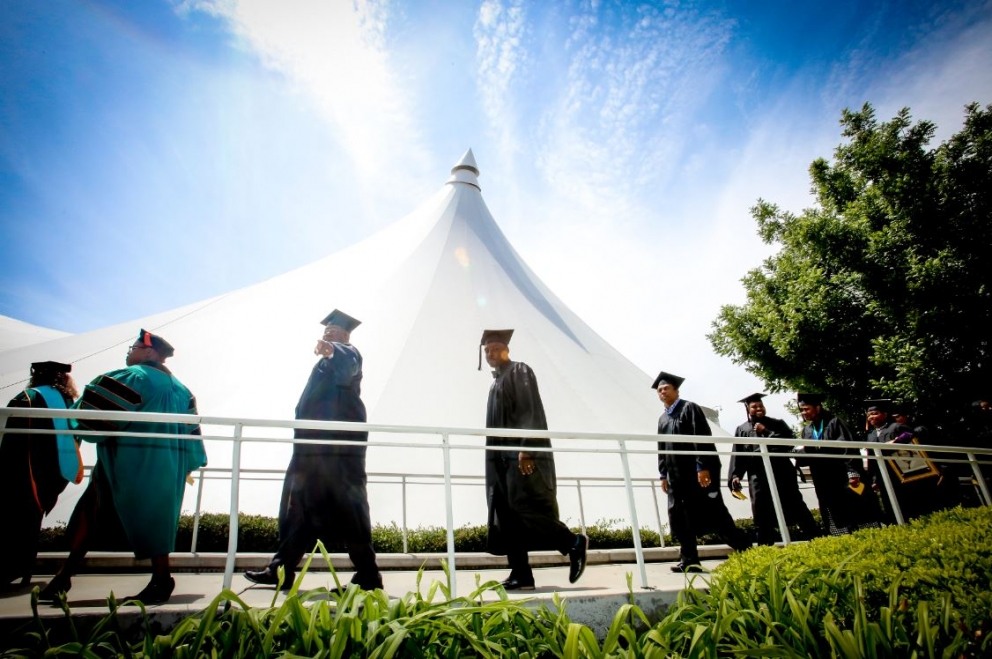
pixel 759 428
pixel 189 479
pixel 704 478
pixel 525 463
pixel 664 485
pixel 735 485
pixel 324 348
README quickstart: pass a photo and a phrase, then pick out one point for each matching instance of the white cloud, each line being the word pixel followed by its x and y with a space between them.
pixel 337 53
pixel 499 32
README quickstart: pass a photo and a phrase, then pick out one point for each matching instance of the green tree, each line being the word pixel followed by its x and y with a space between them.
pixel 884 286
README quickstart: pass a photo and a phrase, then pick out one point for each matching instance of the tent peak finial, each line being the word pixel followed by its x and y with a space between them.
pixel 465 171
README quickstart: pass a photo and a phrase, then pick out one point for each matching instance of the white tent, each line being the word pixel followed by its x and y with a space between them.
pixel 16 334
pixel 425 288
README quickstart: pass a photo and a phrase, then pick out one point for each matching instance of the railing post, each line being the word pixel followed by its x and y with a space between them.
pixel 890 490
pixel 232 538
pixel 979 478
pixel 773 490
pixel 403 486
pixel 582 508
pixel 196 514
pixel 450 516
pixel 636 534
pixel 657 512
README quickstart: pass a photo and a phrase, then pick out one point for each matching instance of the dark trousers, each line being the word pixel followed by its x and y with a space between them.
pixel 18 554
pixel 521 504
pixel 714 516
pixel 793 508
pixel 297 537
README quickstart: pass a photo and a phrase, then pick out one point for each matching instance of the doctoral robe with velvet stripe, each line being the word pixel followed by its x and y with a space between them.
pixel 146 475
pixel 30 484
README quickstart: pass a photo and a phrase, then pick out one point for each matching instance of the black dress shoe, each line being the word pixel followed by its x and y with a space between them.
pixel 687 568
pixel 517 584
pixel 270 577
pixel 158 591
pixel 59 585
pixel 577 558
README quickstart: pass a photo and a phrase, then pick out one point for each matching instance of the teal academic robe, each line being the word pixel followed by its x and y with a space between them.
pixel 146 475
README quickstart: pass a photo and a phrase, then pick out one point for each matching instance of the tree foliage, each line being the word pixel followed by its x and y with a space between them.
pixel 883 287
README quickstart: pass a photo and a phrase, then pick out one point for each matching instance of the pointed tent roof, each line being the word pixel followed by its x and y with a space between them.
pixel 425 288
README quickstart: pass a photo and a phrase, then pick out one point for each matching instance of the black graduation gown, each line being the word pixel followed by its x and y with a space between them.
pixel 916 497
pixel 747 462
pixel 324 495
pixel 523 510
pixel 842 509
pixel 30 484
pixel 693 509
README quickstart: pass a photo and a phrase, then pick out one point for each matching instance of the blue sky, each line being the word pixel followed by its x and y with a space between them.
pixel 153 154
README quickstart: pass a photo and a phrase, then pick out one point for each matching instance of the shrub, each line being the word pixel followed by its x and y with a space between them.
pixel 919 590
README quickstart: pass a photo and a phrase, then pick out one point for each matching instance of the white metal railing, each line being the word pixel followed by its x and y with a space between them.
pixel 405 479
pixel 440 438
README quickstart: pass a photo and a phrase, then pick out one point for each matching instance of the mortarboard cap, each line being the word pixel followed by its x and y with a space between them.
pixel 878 404
pixel 341 319
pixel 494 336
pixel 753 398
pixel 46 368
pixel 156 343
pixel 810 399
pixel 667 378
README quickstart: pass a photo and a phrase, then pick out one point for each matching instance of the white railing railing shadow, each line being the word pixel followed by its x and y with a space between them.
pixel 441 438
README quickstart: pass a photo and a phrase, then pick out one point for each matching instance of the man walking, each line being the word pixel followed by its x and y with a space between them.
pixel 521 486
pixel 846 505
pixel 324 494
pixel 691 479
pixel 747 463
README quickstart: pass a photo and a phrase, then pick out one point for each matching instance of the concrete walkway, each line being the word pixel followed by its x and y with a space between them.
pixel 592 601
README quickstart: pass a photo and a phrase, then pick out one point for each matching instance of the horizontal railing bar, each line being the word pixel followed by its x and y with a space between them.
pixel 433 430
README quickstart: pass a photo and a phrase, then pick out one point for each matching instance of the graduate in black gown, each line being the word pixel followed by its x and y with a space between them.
pixel 324 494
pixel 521 486
pixel 916 497
pixel 846 502
pixel 691 479
pixel 747 463
pixel 32 475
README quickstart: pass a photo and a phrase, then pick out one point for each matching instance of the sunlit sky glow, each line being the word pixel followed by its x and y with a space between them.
pixel 157 153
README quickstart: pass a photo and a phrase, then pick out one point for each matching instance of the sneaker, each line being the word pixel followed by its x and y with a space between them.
pixel 688 568
pixel 577 558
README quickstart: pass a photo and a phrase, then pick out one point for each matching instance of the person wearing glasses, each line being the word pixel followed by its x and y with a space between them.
pixel 137 483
